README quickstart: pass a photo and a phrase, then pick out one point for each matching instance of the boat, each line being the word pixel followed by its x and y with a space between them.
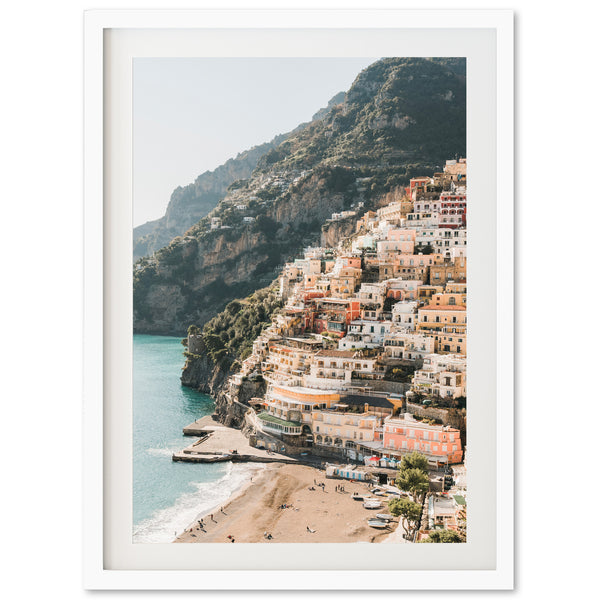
pixel 372 504
pixel 377 523
pixel 384 517
pixel 356 496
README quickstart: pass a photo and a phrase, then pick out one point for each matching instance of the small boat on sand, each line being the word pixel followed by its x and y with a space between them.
pixel 385 517
pixel 372 504
pixel 377 523
pixel 356 496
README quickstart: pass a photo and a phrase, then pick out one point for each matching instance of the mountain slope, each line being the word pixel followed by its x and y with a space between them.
pixel 401 118
pixel 190 203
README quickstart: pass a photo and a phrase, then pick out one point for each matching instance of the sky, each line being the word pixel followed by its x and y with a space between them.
pixel 192 114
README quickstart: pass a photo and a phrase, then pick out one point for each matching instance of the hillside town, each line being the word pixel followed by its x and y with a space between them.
pixel 367 360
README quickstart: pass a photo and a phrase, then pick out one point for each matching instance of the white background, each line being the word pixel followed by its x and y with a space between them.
pixel 41 247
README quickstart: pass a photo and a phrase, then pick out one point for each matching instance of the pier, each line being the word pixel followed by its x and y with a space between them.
pixel 218 443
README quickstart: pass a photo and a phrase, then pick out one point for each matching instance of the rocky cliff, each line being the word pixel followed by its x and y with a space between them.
pixel 203 373
pixel 200 370
pixel 334 231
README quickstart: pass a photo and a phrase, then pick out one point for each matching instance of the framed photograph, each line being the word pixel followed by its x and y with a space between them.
pixel 280 209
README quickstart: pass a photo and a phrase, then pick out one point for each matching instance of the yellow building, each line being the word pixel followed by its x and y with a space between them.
pixel 345 282
pixel 456 270
pixel 448 299
pixel 437 318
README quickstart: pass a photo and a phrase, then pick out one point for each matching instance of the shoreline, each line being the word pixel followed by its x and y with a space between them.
pixel 256 469
pixel 317 515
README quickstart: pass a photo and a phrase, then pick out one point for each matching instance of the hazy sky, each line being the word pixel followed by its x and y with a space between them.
pixel 191 114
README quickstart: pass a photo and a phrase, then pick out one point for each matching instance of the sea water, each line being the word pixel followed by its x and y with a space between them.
pixel 167 495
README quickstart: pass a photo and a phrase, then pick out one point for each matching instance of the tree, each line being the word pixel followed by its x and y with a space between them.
pixel 443 536
pixel 414 460
pixel 193 330
pixel 409 511
pixel 414 481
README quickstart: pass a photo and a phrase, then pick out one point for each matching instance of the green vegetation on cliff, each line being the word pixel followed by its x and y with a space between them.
pixel 228 337
pixel 407 113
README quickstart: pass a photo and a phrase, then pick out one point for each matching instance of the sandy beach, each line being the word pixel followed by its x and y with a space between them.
pixel 332 516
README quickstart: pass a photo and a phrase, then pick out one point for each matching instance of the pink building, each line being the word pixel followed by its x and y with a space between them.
pixel 440 443
pixel 453 209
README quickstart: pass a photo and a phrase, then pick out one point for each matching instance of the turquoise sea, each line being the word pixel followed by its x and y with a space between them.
pixel 168 496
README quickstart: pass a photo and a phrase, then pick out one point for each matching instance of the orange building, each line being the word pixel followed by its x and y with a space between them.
pixel 438 442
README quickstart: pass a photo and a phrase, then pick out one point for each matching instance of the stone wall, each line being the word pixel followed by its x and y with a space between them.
pixel 454 417
pixel 390 387
pixel 439 414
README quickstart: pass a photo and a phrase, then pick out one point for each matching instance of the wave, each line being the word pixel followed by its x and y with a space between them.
pixel 162 451
pixel 166 524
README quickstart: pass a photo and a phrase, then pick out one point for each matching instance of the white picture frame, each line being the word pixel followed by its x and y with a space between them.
pixel 108 275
